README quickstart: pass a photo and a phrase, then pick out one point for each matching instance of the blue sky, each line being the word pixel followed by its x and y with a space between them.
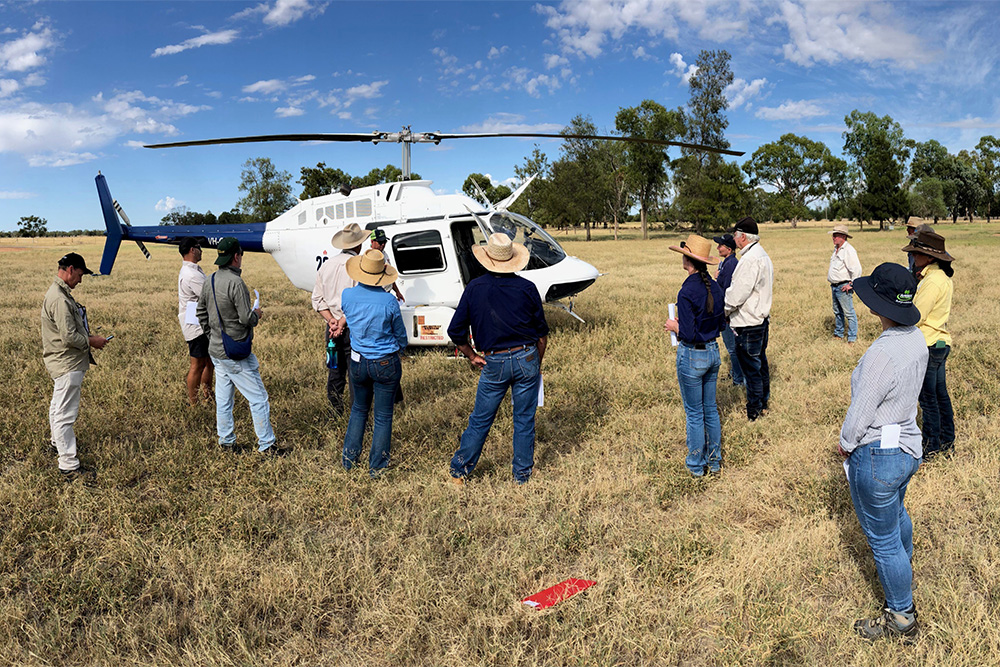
pixel 84 84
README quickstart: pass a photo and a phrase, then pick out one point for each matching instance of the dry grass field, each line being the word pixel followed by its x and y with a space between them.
pixel 181 555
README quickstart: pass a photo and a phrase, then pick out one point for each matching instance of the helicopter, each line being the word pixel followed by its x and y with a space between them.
pixel 430 235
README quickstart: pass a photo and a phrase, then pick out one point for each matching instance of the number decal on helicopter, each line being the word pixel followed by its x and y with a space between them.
pixel 319 261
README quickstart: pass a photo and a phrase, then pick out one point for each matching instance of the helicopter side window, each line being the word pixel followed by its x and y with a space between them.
pixel 419 252
pixel 319 214
pixel 350 209
pixel 340 211
pixel 330 212
pixel 363 208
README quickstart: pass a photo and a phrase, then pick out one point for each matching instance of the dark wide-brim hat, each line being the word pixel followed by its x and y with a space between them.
pixel 889 291
pixel 930 244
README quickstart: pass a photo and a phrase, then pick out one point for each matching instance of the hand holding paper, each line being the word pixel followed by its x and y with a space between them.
pixel 256 301
pixel 672 314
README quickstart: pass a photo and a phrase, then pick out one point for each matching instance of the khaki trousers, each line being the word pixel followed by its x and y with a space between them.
pixel 63 411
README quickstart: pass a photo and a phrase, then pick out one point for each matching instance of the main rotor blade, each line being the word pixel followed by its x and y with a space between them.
pixel 637 140
pixel 339 136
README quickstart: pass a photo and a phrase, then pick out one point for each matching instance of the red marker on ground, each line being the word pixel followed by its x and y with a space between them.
pixel 557 593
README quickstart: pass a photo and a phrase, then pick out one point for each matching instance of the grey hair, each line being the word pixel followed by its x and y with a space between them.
pixel 751 238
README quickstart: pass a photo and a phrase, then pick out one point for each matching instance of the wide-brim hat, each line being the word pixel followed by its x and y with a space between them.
pixel 228 247
pixel 501 254
pixel 370 268
pixel 351 236
pixel 930 244
pixel 698 248
pixel 840 229
pixel 889 291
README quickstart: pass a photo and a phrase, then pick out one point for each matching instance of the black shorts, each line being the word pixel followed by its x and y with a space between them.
pixel 198 347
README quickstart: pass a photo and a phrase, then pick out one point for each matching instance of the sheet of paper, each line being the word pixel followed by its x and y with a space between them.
pixel 672 314
pixel 256 300
pixel 890 436
pixel 191 313
pixel 847 469
pixel 355 357
pixel 541 391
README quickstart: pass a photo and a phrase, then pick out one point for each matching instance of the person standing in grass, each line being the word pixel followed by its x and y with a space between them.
pixel 377 336
pixel 190 280
pixel 748 307
pixel 699 320
pixel 724 276
pixel 505 314
pixel 66 343
pixel 932 266
pixel 882 444
pixel 844 268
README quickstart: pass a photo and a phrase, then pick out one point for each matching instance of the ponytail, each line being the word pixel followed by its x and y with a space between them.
pixel 705 278
pixel 946 267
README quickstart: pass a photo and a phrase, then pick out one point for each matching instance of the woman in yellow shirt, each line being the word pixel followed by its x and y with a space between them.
pixel 932 268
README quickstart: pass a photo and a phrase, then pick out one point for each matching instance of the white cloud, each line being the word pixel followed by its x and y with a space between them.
pixel 343 115
pixel 285 12
pixel 792 111
pixel 304 79
pixel 969 123
pixel 495 52
pixel 132 143
pixel 8 87
pixel 640 54
pixel 208 39
pixel 365 91
pixel 446 59
pixel 24 53
pixel 182 81
pixel 60 159
pixel 168 204
pixel 510 122
pixel 739 91
pixel 553 60
pixel 288 112
pixel 682 69
pixel 265 87
pixel 14 194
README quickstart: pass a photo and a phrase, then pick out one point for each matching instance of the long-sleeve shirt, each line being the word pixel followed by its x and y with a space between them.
pixel 933 300
pixel 65 337
pixel 503 310
pixel 331 281
pixel 374 320
pixel 238 316
pixel 694 321
pixel 844 265
pixel 748 299
pixel 190 280
pixel 726 268
pixel 884 390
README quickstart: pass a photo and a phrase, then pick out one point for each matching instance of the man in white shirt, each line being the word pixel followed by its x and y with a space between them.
pixel 189 284
pixel 844 268
pixel 748 306
pixel 331 281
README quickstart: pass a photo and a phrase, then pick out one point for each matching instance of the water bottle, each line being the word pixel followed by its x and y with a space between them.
pixel 331 354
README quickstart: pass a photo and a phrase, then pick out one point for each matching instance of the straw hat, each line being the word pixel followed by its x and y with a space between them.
pixel 501 255
pixel 840 229
pixel 370 269
pixel 930 244
pixel 697 248
pixel 351 236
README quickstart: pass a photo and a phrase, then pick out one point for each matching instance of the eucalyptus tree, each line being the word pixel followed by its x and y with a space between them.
pixel 880 151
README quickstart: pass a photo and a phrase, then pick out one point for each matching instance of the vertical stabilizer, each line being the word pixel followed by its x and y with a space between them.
pixel 114 227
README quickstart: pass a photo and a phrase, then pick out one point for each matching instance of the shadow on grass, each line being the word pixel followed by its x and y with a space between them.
pixel 851 536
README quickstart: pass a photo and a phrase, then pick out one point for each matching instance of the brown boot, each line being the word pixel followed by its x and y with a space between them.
pixel 890 625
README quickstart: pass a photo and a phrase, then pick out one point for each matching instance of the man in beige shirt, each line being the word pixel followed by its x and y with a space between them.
pixel 66 343
pixel 331 281
pixel 844 268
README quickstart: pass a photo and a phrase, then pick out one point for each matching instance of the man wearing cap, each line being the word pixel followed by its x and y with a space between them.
pixel 377 336
pixel 331 280
pixel 505 314
pixel 379 241
pixel 66 343
pixel 724 277
pixel 224 306
pixel 748 306
pixel 844 268
pixel 190 280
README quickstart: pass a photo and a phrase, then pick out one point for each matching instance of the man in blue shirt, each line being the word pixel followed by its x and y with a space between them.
pixel 377 336
pixel 508 325
pixel 727 251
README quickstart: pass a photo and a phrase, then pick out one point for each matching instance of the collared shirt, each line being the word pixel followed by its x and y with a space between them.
pixel 884 390
pixel 233 298
pixel 694 321
pixel 748 298
pixel 503 310
pixel 331 281
pixel 374 320
pixel 933 300
pixel 65 336
pixel 726 268
pixel 844 265
pixel 190 280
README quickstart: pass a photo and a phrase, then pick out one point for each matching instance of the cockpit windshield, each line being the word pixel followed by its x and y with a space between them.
pixel 543 248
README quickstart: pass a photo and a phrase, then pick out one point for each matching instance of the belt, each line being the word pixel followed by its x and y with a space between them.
pixel 697 346
pixel 509 349
pixel 842 282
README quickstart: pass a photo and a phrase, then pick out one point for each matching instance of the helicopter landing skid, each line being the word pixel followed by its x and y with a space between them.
pixel 568 309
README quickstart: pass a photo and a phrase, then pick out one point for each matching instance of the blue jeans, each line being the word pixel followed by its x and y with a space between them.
pixel 878 479
pixel 697 371
pixel 843 309
pixel 935 403
pixel 751 350
pixel 735 372
pixel 374 381
pixel 519 371
pixel 244 375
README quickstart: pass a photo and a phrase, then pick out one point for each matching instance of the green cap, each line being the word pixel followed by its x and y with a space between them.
pixel 228 247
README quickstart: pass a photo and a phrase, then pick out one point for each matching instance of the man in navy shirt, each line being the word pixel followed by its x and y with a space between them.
pixel 508 325
pixel 727 251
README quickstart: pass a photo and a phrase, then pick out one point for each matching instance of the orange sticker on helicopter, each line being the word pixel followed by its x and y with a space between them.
pixel 431 332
